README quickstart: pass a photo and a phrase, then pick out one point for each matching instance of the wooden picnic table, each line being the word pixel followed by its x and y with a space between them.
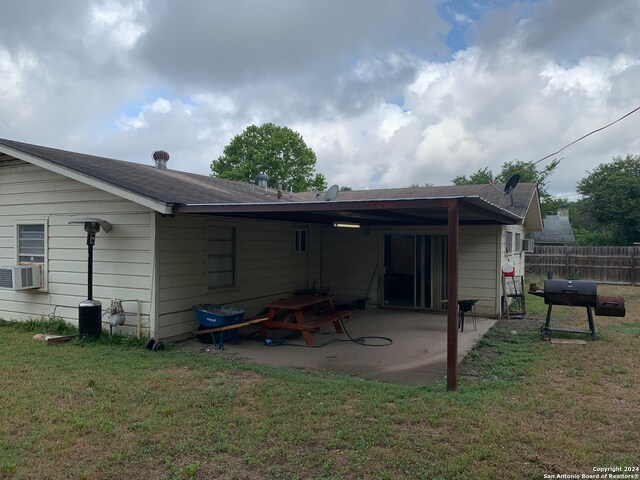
pixel 307 314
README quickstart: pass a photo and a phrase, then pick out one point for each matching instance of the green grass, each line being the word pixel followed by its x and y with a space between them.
pixel 112 409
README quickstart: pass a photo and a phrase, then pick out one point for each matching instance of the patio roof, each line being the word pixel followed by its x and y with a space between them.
pixel 391 212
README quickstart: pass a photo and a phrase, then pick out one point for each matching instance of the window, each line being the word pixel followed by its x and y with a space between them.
pixel 518 246
pixel 31 243
pixel 508 242
pixel 221 253
pixel 300 240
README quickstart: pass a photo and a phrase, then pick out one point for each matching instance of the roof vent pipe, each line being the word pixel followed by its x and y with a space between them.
pixel 161 158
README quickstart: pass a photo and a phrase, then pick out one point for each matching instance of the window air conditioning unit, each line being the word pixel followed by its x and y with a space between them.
pixel 20 277
pixel 527 245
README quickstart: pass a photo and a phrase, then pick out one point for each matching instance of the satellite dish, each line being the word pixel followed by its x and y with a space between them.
pixel 511 183
pixel 332 193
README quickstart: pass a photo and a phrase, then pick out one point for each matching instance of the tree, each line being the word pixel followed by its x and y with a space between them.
pixel 612 199
pixel 551 206
pixel 482 176
pixel 528 171
pixel 279 152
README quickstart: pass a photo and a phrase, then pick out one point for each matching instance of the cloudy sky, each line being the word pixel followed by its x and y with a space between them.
pixel 387 93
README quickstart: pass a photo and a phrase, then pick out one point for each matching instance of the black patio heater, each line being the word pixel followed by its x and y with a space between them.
pixel 90 310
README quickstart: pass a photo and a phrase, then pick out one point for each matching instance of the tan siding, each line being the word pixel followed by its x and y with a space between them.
pixel 478 267
pixel 122 258
pixel 266 268
pixel 350 257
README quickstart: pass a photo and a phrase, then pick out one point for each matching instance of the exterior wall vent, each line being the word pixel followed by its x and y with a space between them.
pixel 20 277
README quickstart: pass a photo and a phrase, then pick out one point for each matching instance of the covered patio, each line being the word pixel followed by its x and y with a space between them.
pixel 417 356
pixel 464 206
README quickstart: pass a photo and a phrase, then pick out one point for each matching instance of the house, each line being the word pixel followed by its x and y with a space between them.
pixel 180 239
pixel 557 230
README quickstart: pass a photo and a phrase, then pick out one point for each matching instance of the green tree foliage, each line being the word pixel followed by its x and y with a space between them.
pixel 552 205
pixel 529 172
pixel 279 152
pixel 481 176
pixel 594 236
pixel 611 203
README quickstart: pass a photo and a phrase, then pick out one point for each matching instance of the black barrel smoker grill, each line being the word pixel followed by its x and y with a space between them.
pixel 577 293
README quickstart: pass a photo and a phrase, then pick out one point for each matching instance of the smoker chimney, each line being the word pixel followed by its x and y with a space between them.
pixel 161 158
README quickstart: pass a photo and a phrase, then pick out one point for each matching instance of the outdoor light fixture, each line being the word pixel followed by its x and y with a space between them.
pixel 346 225
pixel 89 311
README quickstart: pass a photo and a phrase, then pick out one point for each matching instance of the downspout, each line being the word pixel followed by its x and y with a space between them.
pixel 322 256
pixel 499 249
pixel 153 296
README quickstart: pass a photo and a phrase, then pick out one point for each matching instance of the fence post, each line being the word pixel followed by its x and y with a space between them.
pixel 633 267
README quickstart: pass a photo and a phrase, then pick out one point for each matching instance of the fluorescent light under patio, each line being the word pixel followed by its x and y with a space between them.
pixel 346 225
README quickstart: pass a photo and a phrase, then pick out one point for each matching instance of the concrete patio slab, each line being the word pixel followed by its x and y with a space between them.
pixel 417 355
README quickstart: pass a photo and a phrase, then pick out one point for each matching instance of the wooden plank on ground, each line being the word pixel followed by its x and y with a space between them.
pixel 233 326
pixel 568 341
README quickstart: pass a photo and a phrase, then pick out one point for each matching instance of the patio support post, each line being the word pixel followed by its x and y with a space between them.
pixel 452 296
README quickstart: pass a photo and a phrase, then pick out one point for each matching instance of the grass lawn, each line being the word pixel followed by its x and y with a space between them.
pixel 524 408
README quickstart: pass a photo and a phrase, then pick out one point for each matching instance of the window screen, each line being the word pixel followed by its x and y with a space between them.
pixel 221 253
pixel 31 243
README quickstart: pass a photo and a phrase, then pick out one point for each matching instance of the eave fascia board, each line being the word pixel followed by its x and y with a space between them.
pixel 156 205
pixel 325 206
pixel 476 203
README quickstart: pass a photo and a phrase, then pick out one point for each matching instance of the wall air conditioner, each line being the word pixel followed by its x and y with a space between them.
pixel 528 245
pixel 20 277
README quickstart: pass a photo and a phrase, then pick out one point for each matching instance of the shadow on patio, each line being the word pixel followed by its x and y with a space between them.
pixel 417 356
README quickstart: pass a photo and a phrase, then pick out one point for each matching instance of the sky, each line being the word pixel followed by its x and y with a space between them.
pixel 387 93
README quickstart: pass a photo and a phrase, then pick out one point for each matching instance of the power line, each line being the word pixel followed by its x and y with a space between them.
pixel 569 144
pixel 13 129
pixel 590 133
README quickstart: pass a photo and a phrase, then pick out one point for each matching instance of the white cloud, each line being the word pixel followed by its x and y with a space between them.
pixel 147 112
pixel 11 76
pixel 118 22
pixel 463 19
pixel 369 84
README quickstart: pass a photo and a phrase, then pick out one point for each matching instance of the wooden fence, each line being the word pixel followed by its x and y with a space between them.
pixel 619 265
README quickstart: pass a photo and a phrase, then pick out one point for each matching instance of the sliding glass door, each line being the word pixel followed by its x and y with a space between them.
pixel 415 271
